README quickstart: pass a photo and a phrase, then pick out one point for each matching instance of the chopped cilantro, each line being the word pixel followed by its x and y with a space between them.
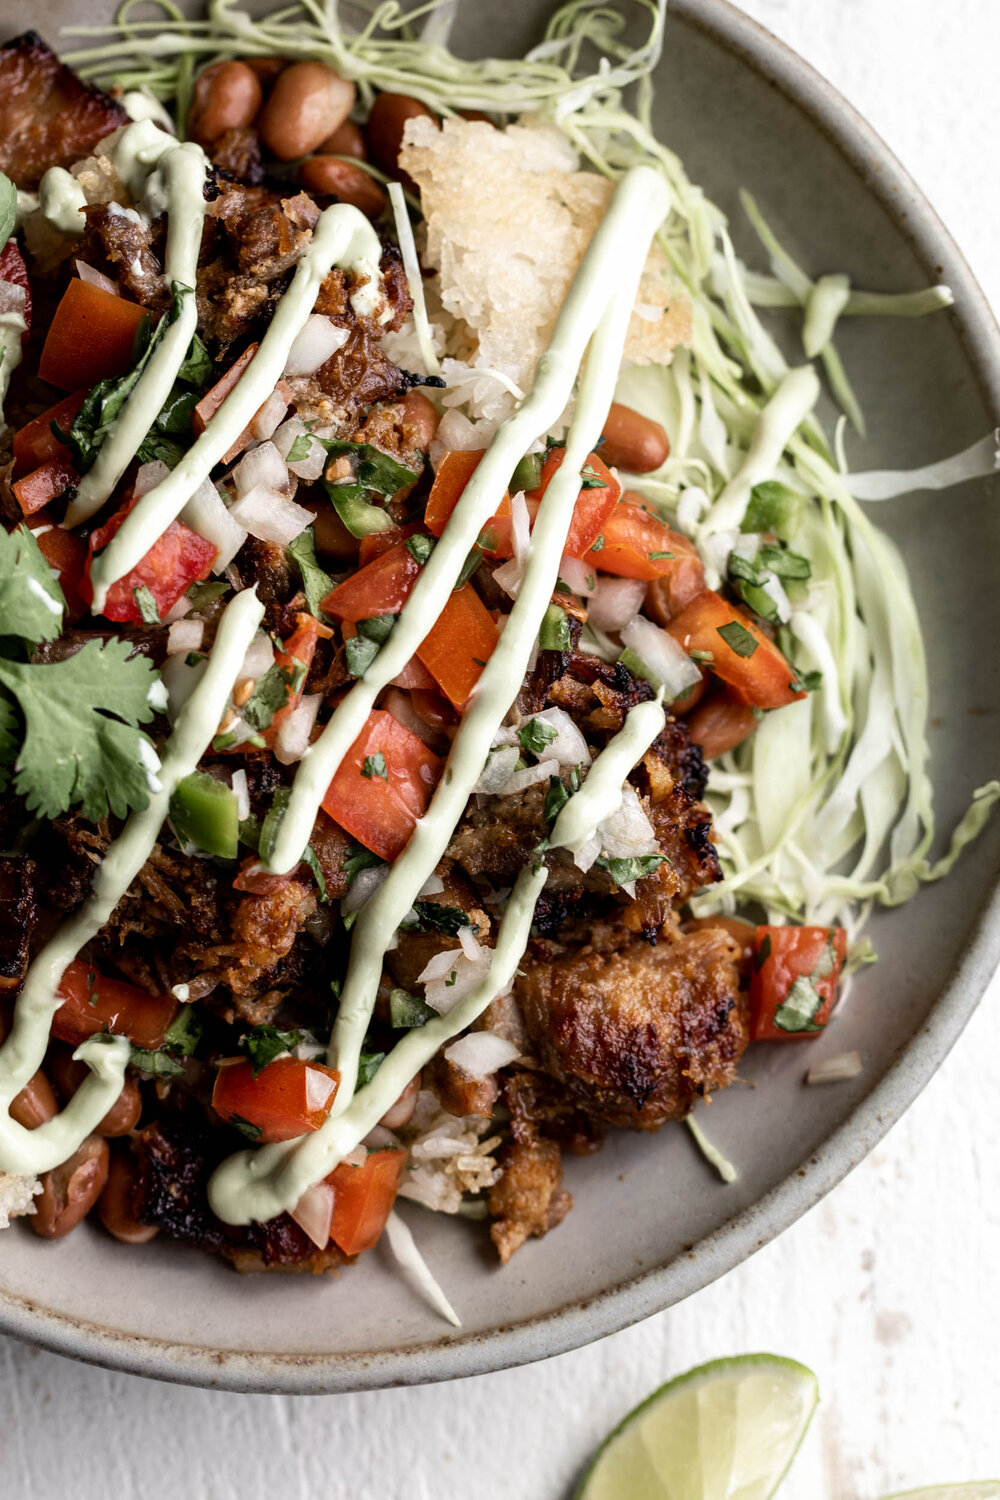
pixel 702 655
pixel 376 628
pixel 359 653
pixel 420 547
pixel 272 822
pixel 316 583
pixel 368 1065
pixel 299 451
pixel 451 980
pixel 535 735
pixel 659 556
pixel 469 567
pixel 374 765
pixel 156 1064
pixel 598 546
pixel 31 601
pixel 433 916
pixel 245 1127
pixel 773 507
pixel 270 694
pixel 407 1011
pixel 184 1032
pixel 624 871
pixel 783 563
pixel 555 799
pixel 590 479
pixel 763 953
pixel 263 1044
pixel 359 858
pixel 148 611
pixel 738 638
pixel 797 1012
pixel 81 738
pixel 311 858
pixel 205 592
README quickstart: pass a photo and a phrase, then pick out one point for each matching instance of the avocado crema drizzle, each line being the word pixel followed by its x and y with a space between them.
pixel 256 1185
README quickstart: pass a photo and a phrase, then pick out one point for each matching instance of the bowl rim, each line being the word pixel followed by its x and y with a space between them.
pixel 581 1322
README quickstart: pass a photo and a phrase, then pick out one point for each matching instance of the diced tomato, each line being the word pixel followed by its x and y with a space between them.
pixel 64 551
pixel 296 653
pixel 36 443
pixel 453 473
pixel 91 337
pixel 781 956
pixel 721 723
pixel 594 505
pixel 43 484
pixel 691 696
pixel 381 811
pixel 377 542
pixel 288 1098
pixel 92 1002
pixel 13 268
pixel 381 588
pixel 179 558
pixel 737 650
pixel 363 1199
pixel 459 645
pixel 637 545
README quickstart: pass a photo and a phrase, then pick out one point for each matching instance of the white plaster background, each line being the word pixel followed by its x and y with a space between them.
pixel 887 1289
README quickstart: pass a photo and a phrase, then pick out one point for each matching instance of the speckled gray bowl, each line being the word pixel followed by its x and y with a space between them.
pixel 651 1224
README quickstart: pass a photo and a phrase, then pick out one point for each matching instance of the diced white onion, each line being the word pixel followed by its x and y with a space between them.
pixel 314 343
pixel 665 657
pixel 775 589
pixel 628 833
pixel 13 299
pixel 691 506
pixel 269 516
pixel 314 1213
pixel 185 635
pixel 472 949
pixel 95 278
pixel 292 739
pixel 579 575
pixel 432 886
pixel 292 431
pixel 148 477
pixel 615 602
pixel 449 977
pixel 206 514
pixel 261 466
pixel 241 790
pixel 381 1138
pixel 269 416
pixel 400 705
pixel 530 776
pixel 498 770
pixel 259 656
pixel 319 1087
pixel 178 611
pixel 480 1053
pixel 569 747
pixel 510 575
pixel 836 1069
pixel 364 884
pixel 584 856
pixel 440 966
pixel 180 681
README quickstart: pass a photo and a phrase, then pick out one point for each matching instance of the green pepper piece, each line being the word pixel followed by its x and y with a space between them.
pixel 528 474
pixel 204 812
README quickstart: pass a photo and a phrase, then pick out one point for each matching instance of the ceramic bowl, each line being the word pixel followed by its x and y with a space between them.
pixel 651 1222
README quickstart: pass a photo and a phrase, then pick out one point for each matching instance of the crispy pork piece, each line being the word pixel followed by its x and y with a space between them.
pixel 528 1199
pixel 50 117
pixel 18 916
pixel 636 1034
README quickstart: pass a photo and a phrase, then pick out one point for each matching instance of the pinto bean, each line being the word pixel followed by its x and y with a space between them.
pixel 421 417
pixel 35 1104
pixel 68 1074
pixel 267 69
pixel 307 104
pixel 340 179
pixel 115 1205
pixel 632 441
pixel 227 96
pixel 70 1191
pixel 384 131
pixel 347 140
pixel 721 723
pixel 400 1113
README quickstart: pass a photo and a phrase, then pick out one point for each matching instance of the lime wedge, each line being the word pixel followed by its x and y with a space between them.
pixel 724 1431
pixel 982 1489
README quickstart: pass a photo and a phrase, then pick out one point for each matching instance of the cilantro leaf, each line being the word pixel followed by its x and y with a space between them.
pixel 156 1064
pixel 555 799
pixel 738 638
pixel 184 1032
pixel 368 1065
pixel 432 916
pixel 311 858
pixel 197 369
pixel 359 653
pixel 8 208
pixel 798 1010
pixel 31 601
pixel 624 871
pixel 359 858
pixel 146 605
pixel 245 1127
pixel 316 583
pixel 420 547
pixel 271 693
pixel 374 765
pixel 81 743
pixel 376 628
pixel 535 735
pixel 299 451
pixel 263 1044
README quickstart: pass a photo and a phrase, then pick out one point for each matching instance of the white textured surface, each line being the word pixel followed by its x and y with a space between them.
pixel 888 1289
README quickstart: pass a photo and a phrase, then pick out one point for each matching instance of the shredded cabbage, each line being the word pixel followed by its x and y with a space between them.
pixel 828 808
